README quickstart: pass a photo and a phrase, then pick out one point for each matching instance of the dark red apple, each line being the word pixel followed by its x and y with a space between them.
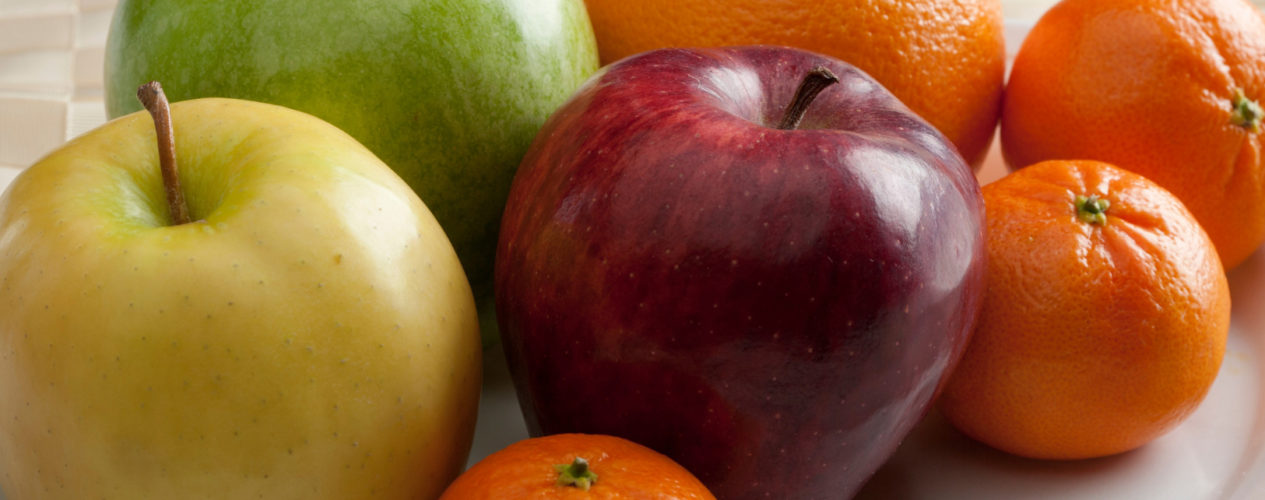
pixel 775 309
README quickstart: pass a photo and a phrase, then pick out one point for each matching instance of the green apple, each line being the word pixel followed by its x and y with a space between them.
pixel 449 93
pixel 310 335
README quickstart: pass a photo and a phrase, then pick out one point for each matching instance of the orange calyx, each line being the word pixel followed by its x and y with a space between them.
pixel 576 474
pixel 1092 209
pixel 1245 112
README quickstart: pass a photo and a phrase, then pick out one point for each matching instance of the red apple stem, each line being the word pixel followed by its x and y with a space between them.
pixel 813 83
pixel 152 97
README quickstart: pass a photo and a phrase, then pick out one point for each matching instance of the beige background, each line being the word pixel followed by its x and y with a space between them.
pixel 50 75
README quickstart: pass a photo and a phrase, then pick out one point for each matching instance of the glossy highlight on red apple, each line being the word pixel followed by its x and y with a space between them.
pixel 774 309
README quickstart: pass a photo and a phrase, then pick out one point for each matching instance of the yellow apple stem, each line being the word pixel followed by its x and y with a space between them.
pixel 152 97
pixel 813 83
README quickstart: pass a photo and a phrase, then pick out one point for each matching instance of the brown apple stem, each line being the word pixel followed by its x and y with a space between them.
pixel 813 83
pixel 152 97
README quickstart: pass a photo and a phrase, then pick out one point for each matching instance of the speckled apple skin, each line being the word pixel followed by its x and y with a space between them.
pixel 449 93
pixel 311 336
pixel 773 309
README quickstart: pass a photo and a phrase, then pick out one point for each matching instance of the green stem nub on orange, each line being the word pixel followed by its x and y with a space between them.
pixel 813 83
pixel 1245 112
pixel 1092 209
pixel 576 474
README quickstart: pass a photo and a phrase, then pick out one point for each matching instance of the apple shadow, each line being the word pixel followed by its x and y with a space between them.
pixel 1247 292
pixel 500 422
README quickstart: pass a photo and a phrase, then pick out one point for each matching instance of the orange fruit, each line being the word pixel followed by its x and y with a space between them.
pixel 576 466
pixel 1169 89
pixel 1104 319
pixel 945 59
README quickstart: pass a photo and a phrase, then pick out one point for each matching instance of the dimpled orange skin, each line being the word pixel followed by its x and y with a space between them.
pixel 625 470
pixel 1147 85
pixel 1093 339
pixel 945 59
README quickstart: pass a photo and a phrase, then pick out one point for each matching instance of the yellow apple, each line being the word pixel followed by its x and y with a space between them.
pixel 310 335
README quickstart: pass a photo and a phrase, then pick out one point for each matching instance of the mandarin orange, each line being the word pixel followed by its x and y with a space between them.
pixel 577 466
pixel 1104 319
